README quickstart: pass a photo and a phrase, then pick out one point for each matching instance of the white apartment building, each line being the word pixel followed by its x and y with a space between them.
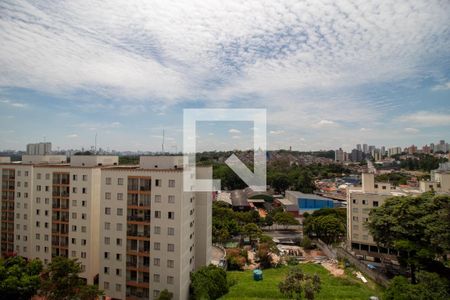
pixel 132 227
pixel 360 200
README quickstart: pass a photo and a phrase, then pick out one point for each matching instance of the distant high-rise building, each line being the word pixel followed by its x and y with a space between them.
pixel 39 149
pixel 365 148
pixel 394 151
pixel 383 151
pixel 358 147
pixel 339 155
pixel 356 155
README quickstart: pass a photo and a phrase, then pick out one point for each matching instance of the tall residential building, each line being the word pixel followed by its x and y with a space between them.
pixel 118 221
pixel 360 200
pixel 365 148
pixel 358 147
pixel 339 155
pixel 394 151
pixel 39 149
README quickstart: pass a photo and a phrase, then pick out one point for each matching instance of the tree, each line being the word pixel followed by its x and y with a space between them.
pixel 297 283
pixel 280 182
pixel 328 228
pixel 19 279
pixel 61 281
pixel 209 283
pixel 429 286
pixel 418 227
pixel 252 231
pixel 285 219
pixel 305 183
pixel 165 295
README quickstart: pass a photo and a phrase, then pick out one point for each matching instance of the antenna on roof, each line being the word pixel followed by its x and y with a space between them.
pixel 95 144
pixel 162 145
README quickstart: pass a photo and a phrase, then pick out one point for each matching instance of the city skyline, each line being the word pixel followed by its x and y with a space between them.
pixel 329 75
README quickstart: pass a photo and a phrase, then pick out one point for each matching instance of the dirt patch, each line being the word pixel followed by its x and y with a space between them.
pixel 333 268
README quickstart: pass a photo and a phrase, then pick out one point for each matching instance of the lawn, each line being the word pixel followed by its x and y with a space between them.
pixel 346 287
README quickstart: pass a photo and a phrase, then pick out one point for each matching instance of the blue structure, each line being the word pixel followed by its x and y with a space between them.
pixel 309 202
pixel 257 275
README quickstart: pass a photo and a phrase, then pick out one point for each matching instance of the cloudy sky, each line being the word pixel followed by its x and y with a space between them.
pixel 330 73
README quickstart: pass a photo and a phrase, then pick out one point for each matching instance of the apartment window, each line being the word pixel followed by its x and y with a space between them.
pixel 157 246
pixel 171 183
pixel 38 248
pixel 107 210
pixel 46 237
pixel 383 187
pixel 74 177
pixel 74 228
pixel 170 279
pixel 74 202
pixel 106 255
pixel 38 200
pixel 171 215
pixel 25 216
pixel 156 262
pixel 83 228
pixel 155 293
pixel 120 211
pixel 26 173
pixel 47 201
pixel 157 182
pixel 74 190
pixel 119 226
pixel 84 177
pixel 170 247
pixel 18 173
pixel 74 241
pixel 38 224
pixel 47 188
pixel 118 286
pixel 47 176
pixel 106 285
pixel 119 242
pixel 25 227
pixel 83 203
pixel 355 219
pixel 74 215
pixel 157 230
pixel 38 236
pixel 107 196
pixel 170 263
pixel 106 270
pixel 119 181
pixel 38 175
pixel 354 201
pixel 157 214
pixel 171 199
pixel 118 272
pixel 46 249
pixel 107 240
pixel 156 277
pixel 364 202
pixel 118 257
pixel 38 211
pixel 375 203
pixel 157 198
pixel 83 254
pixel 84 190
pixel 355 210
pixel 46 212
pixel 119 196
pixel 107 225
pixel 170 231
pixel 73 253
pixel 38 188
pixel 83 242
pixel 355 227
pixel 83 216
pixel 108 180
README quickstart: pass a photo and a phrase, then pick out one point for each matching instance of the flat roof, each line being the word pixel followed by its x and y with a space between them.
pixel 298 194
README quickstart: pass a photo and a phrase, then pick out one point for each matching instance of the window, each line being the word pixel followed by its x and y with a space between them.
pixel 74 190
pixel 106 255
pixel 108 180
pixel 375 203
pixel 26 173
pixel 83 203
pixel 74 241
pixel 74 202
pixel 118 286
pixel 157 182
pixel 170 263
pixel 73 253
pixel 119 226
pixel 84 191
pixel 38 248
pixel 38 236
pixel 83 254
pixel 38 200
pixel 107 240
pixel 354 201
pixel 119 242
pixel 119 181
pixel 155 293
pixel 83 228
pixel 156 262
pixel 106 285
pixel 47 201
pixel 171 199
pixel 170 247
pixel 74 227
pixel 118 257
pixel 107 210
pixel 83 216
pixel 157 230
pixel 84 177
pixel 120 211
pixel 107 196
pixel 156 277
pixel 170 231
pixel 157 198
pixel 47 176
pixel 106 270
pixel 170 279
pixel 74 215
pixel 171 183
pixel 171 215
pixel 157 214
pixel 38 211
pixel 38 175
pixel 83 242
pixel 107 225
pixel 74 177
pixel 364 202
pixel 157 246
pixel 38 188
pixel 119 196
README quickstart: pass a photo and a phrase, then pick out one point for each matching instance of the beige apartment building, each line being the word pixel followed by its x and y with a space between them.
pixel 133 228
pixel 360 200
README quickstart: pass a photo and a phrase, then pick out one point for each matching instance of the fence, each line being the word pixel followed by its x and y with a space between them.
pixel 335 253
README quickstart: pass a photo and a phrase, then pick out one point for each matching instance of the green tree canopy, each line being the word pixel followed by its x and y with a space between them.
pixel 285 219
pixel 297 283
pixel 327 224
pixel 209 283
pixel 19 279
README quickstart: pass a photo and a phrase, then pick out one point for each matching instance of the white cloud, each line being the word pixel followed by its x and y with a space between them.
pixel 442 87
pixel 72 136
pixel 13 103
pixel 277 132
pixel 236 137
pixel 412 130
pixel 233 130
pixel 426 119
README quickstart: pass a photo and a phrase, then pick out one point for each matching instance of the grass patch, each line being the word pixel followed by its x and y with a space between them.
pixel 345 287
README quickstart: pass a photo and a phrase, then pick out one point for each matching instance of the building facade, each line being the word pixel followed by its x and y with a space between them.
pixel 134 230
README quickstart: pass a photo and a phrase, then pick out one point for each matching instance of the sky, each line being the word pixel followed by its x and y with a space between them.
pixel 329 73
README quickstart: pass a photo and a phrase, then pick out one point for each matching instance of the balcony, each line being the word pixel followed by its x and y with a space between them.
pixel 145 234
pixel 138 218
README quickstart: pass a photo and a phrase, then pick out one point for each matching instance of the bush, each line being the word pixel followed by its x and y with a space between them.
pixel 307 243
